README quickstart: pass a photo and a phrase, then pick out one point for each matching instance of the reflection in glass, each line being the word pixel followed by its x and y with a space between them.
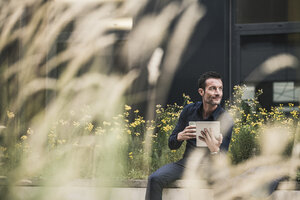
pixel 285 92
pixel 258 11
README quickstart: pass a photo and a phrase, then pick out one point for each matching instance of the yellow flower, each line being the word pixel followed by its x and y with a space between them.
pixel 167 128
pixel 133 124
pixel 63 122
pixel 294 113
pixel 260 91
pixel 76 124
pixel 130 155
pixel 106 123
pixel 291 105
pixel 116 123
pixel 259 123
pixel 24 137
pixel 127 107
pixel 51 134
pixel 126 114
pixel 89 127
pixel 236 130
pixel 136 111
pixel 137 134
pixel 150 128
pixel 29 131
pixel 99 131
pixel 248 117
pixel 61 141
pixel 10 114
pixel 189 102
pixel 129 132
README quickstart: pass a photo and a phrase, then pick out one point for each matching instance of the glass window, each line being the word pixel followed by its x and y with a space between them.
pixel 256 49
pixel 261 11
pixel 285 92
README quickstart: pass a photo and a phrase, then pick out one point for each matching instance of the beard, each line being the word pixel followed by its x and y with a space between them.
pixel 213 101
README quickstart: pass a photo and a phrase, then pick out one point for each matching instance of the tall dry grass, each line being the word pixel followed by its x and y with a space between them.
pixel 57 63
pixel 45 82
pixel 259 176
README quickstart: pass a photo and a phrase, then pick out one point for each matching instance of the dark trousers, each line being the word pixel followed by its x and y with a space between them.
pixel 161 178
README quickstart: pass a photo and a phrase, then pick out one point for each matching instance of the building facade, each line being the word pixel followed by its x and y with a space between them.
pixel 241 37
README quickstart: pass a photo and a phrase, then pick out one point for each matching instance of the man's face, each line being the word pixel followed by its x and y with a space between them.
pixel 213 91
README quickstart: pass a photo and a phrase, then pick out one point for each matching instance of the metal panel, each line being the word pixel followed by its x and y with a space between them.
pixel 267 28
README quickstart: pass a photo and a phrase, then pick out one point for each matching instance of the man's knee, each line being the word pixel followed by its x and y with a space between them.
pixel 155 179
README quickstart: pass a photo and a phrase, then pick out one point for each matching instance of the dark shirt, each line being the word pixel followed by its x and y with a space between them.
pixel 194 112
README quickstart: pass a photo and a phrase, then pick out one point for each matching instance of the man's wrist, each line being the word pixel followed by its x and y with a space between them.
pixel 215 151
pixel 179 137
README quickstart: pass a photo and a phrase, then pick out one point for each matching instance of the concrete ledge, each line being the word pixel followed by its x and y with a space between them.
pixel 91 189
pixel 139 183
pixel 286 195
pixel 289 185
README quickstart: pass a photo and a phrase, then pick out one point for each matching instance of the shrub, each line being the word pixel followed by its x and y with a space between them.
pixel 83 136
pixel 250 119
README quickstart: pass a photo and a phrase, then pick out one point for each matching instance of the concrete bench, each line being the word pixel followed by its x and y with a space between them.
pixel 287 190
pixel 90 189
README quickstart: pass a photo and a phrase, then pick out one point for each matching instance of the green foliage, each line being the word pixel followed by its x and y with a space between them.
pixel 159 130
pixel 250 120
pixel 246 117
pixel 243 145
pixel 298 175
pixel 81 135
pixel 166 121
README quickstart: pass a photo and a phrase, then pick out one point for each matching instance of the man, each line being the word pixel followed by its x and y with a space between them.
pixel 211 90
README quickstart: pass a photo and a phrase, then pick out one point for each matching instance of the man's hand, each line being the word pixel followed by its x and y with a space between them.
pixel 188 133
pixel 212 143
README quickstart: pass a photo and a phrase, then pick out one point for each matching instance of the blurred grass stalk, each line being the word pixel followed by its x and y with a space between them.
pixel 192 12
pixel 253 178
pixel 42 84
pixel 38 95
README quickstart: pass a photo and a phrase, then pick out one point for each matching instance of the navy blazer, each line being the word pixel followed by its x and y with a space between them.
pixel 193 112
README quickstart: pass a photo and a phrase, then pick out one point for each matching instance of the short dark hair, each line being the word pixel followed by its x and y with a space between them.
pixel 205 76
